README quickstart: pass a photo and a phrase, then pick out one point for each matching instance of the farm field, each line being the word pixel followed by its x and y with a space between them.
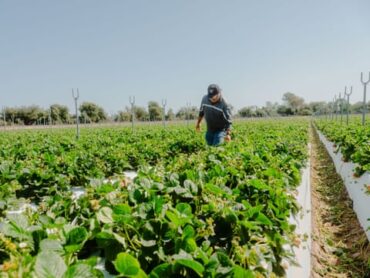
pixel 157 202
pixel 191 211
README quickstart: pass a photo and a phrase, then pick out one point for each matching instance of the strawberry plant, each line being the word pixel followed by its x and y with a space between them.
pixel 193 210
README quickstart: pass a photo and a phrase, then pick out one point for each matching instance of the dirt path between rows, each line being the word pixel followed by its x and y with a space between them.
pixel 339 245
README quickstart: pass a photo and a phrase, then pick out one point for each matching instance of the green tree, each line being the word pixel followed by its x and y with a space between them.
pixel 319 106
pixel 30 115
pixel 59 114
pixel 140 113
pixel 92 112
pixel 170 115
pixel 246 112
pixel 11 115
pixel 284 110
pixel 155 111
pixel 190 113
pixel 122 116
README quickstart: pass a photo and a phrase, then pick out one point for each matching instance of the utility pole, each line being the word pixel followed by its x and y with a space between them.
pixel 50 123
pixel 164 103
pixel 347 95
pixel 132 101
pixel 341 105
pixel 188 104
pixel 75 97
pixel 364 101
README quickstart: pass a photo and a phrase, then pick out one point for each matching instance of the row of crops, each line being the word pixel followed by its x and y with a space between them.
pixel 353 140
pixel 192 211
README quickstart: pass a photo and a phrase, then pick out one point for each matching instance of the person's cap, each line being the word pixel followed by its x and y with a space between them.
pixel 213 90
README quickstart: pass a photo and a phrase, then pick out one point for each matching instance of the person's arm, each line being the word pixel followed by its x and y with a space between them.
pixel 228 127
pixel 200 117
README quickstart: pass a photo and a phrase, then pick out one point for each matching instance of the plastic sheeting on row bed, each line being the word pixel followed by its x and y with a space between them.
pixel 355 186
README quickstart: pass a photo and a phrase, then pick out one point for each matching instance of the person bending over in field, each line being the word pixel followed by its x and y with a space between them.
pixel 218 116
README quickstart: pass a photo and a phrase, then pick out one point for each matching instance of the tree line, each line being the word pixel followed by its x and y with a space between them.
pixel 90 112
pixel 295 105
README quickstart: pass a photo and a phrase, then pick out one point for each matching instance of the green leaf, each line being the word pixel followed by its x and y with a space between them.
pixel 122 209
pixel 19 220
pixel 79 271
pixel 17 227
pixel 75 239
pixel 49 265
pixel 190 245
pixel 173 218
pixel 214 189
pixel 158 204
pixel 127 265
pixel 184 209
pixel 192 264
pixel 240 272
pixel 161 271
pixel 188 232
pixel 141 274
pixel 51 245
pixel 263 219
pixel 77 235
pixel 122 215
pixel 224 259
pixel 105 215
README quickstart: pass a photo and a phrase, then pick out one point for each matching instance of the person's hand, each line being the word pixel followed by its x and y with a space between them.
pixel 227 138
pixel 197 128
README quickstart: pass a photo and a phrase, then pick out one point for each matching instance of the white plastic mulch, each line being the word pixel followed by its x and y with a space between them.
pixel 355 186
pixel 303 223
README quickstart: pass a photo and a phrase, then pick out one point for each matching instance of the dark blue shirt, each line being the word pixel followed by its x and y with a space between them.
pixel 217 115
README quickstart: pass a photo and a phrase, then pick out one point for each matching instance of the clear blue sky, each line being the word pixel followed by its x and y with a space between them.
pixel 154 49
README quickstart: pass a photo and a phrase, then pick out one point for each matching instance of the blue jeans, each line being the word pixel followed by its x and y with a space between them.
pixel 215 138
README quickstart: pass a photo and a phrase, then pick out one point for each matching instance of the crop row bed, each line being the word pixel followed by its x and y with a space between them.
pixel 357 182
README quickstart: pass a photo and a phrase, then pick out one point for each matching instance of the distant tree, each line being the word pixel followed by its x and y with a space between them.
pixel 122 116
pixel 30 115
pixel 170 115
pixel 247 112
pixel 84 118
pixel 94 112
pixel 319 107
pixel 155 111
pixel 305 110
pixel 358 107
pixel 11 115
pixel 190 113
pixel 271 108
pixel 59 113
pixel 260 112
pixel 284 110
pixel 140 113
pixel 293 102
